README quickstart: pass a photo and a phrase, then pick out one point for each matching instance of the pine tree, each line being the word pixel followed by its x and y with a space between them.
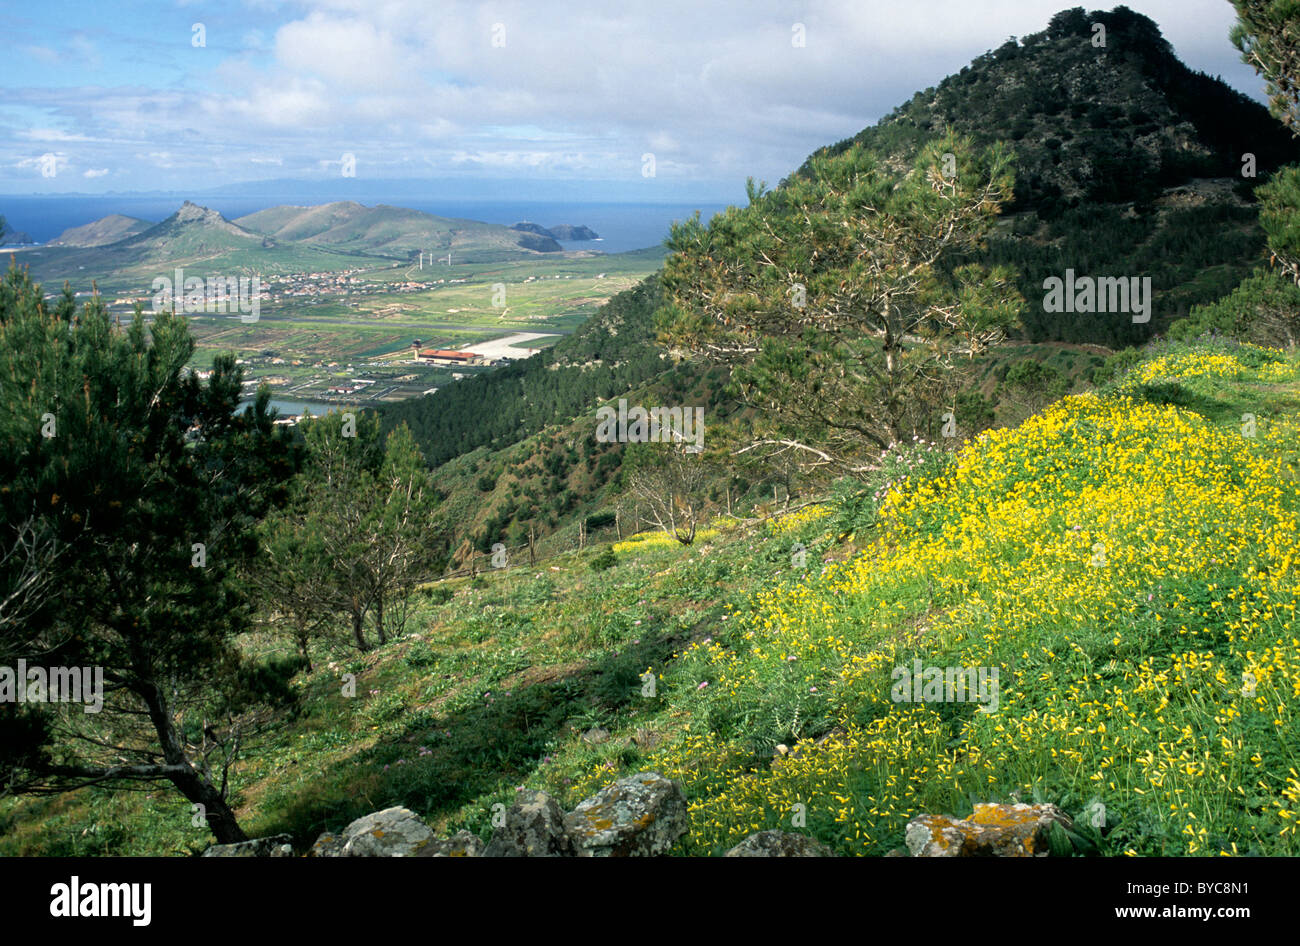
pixel 358 535
pixel 840 300
pixel 133 492
pixel 1268 34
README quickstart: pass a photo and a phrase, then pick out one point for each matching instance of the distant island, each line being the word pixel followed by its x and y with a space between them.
pixel 277 240
pixel 564 231
pixel 102 232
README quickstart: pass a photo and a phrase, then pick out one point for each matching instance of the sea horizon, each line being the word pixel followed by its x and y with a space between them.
pixel 621 225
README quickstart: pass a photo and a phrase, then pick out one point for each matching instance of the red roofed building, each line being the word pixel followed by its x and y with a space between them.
pixel 446 356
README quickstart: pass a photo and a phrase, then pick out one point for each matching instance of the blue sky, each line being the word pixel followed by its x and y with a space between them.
pixel 482 95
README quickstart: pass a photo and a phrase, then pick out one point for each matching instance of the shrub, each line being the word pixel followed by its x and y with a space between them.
pixel 604 560
pixel 438 594
pixel 1264 308
pixel 384 708
pixel 600 520
pixel 421 655
pixel 1116 365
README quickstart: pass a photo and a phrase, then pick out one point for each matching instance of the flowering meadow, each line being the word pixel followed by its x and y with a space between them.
pixel 1121 567
pixel 644 540
pixel 1128 567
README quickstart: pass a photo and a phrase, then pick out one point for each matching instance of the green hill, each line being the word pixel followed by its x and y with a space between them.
pixel 278 240
pixel 191 232
pixel 392 231
pixel 101 232
pixel 195 238
pixel 1128 163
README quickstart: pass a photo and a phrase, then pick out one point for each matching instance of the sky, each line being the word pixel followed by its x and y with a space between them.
pixel 664 100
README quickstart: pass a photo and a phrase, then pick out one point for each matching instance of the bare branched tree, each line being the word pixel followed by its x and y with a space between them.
pixel 668 482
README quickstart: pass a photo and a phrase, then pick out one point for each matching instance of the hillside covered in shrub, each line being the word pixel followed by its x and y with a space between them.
pixel 1124 560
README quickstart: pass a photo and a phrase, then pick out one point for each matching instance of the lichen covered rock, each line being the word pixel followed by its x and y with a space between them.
pixel 276 846
pixel 393 832
pixel 534 827
pixel 779 844
pixel 460 844
pixel 993 830
pixel 641 815
pixel 327 845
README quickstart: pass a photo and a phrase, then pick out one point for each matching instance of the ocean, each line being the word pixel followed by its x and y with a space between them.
pixel 622 226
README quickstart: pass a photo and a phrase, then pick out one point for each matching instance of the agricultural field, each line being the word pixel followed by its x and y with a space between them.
pixel 317 330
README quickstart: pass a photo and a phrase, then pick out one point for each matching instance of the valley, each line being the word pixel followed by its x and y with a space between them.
pixel 318 331
pixel 337 328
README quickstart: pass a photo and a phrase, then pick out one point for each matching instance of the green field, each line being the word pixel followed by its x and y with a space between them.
pixel 314 333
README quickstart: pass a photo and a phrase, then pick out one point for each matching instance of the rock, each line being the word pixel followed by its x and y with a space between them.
pixel 595 736
pixel 460 844
pixel 993 830
pixel 779 844
pixel 276 846
pixel 393 832
pixel 534 828
pixel 638 816
pixel 327 845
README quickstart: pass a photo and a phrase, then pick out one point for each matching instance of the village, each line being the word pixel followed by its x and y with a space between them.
pixel 415 372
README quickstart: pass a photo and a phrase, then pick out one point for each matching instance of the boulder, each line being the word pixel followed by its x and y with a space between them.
pixel 278 845
pixel 460 844
pixel 779 844
pixel 641 815
pixel 327 845
pixel 393 832
pixel 534 827
pixel 993 830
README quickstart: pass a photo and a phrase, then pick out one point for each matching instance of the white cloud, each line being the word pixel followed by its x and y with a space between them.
pixel 50 134
pixel 94 172
pixel 716 91
pixel 351 53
